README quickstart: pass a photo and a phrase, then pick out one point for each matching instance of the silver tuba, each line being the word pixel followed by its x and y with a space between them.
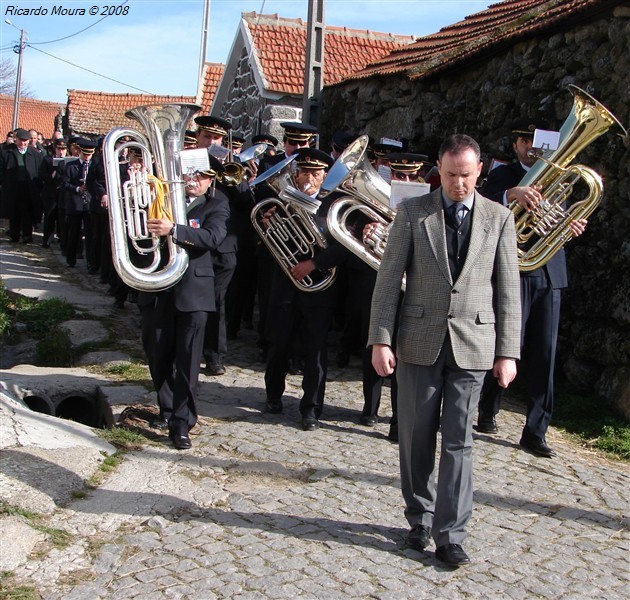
pixel 545 229
pixel 129 203
pixel 290 231
pixel 369 196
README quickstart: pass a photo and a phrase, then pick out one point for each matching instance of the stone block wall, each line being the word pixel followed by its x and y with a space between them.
pixel 481 98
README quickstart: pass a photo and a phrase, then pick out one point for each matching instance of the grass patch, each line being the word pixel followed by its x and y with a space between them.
pixel 130 372
pixel 54 349
pixel 58 537
pixel 123 438
pixel 10 591
pixel 593 422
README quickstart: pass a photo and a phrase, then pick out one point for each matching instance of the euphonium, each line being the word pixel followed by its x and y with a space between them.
pixel 542 231
pixel 129 204
pixel 369 196
pixel 289 230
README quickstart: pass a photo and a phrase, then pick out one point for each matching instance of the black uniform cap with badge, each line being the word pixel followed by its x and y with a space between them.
pixel 87 147
pixel 526 127
pixel 300 133
pixel 341 140
pixel 237 142
pixel 406 164
pixel 60 143
pixel 214 125
pixel 265 138
pixel 383 150
pixel 312 158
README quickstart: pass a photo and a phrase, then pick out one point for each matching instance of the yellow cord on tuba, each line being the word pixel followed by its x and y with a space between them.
pixel 161 206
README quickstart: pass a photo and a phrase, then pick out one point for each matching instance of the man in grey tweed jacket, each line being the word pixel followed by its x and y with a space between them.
pixel 459 318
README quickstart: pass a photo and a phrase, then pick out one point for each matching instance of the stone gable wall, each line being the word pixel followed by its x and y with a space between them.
pixel 482 99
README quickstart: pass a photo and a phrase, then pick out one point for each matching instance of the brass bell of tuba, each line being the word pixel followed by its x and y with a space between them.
pixel 289 230
pixel 545 229
pixel 367 202
pixel 130 203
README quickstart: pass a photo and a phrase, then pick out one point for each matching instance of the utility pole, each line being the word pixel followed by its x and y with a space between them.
pixel 18 80
pixel 204 43
pixel 314 68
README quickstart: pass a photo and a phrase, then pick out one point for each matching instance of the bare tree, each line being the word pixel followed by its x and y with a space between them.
pixel 8 73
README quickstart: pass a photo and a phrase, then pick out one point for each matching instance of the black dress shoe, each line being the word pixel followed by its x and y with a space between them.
pixel 215 369
pixel 419 537
pixel 158 423
pixel 296 366
pixel 538 447
pixel 181 441
pixel 368 420
pixel 487 425
pixel 452 554
pixel 310 424
pixel 393 433
pixel 273 406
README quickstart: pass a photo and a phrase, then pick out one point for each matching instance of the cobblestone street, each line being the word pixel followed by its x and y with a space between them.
pixel 261 509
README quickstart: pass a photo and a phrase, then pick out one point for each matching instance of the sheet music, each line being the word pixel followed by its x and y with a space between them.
pixel 401 190
pixel 546 140
pixel 194 160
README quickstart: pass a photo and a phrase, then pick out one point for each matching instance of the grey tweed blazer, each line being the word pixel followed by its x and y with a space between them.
pixel 481 311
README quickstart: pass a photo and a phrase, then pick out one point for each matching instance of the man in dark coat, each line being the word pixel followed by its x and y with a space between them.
pixel 21 178
pixel 174 320
pixel 540 302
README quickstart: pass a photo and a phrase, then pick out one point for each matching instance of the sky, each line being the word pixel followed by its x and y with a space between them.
pixel 154 46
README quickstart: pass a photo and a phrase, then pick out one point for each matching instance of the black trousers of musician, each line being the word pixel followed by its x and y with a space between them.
pixel 241 294
pixel 314 322
pixel 51 224
pixel 99 242
pixel 215 345
pixel 265 270
pixel 173 343
pixel 540 305
pixel 77 225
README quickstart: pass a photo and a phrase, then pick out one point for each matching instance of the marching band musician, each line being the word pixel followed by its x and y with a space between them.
pixel 296 136
pixel 540 301
pixel 77 201
pixel 174 320
pixel 311 311
pixel 51 192
pixel 211 131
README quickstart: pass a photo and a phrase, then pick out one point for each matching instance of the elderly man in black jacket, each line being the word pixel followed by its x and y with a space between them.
pixel 174 320
pixel 21 178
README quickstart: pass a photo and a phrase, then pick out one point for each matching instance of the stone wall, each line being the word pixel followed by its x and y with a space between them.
pixel 480 99
pixel 250 113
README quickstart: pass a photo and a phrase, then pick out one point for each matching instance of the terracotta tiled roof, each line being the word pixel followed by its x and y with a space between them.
pixel 33 114
pixel 280 48
pixel 482 32
pixel 212 73
pixel 95 113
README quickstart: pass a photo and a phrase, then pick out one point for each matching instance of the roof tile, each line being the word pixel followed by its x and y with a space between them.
pixel 33 114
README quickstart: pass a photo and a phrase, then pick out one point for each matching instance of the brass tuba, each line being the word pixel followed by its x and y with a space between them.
pixel 129 203
pixel 290 231
pixel 542 231
pixel 369 197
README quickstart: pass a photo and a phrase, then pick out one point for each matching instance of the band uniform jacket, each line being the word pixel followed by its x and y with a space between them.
pixel 33 163
pixel 195 290
pixel 508 176
pixel 72 178
pixel 480 311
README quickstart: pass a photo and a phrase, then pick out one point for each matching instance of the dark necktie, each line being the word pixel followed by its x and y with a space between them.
pixel 458 212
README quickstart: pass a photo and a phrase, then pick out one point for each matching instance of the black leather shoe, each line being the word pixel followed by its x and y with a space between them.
pixel 392 436
pixel 452 554
pixel 296 366
pixel 273 406
pixel 158 423
pixel 215 369
pixel 310 424
pixel 538 447
pixel 487 425
pixel 368 420
pixel 419 537
pixel 181 441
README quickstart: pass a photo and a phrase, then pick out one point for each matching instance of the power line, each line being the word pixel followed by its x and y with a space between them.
pixel 78 32
pixel 93 72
